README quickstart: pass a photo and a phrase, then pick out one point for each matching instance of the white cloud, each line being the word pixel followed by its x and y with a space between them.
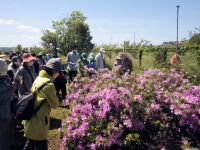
pixel 25 27
pixel 7 22
pixel 101 29
pixel 18 25
pixel 31 37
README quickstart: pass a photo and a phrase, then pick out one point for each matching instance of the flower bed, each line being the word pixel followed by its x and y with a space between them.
pixel 153 109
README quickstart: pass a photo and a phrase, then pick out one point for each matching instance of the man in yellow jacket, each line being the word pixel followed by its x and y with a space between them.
pixel 36 129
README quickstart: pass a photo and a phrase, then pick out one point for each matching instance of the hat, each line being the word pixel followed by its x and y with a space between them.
pixel 15 58
pixel 3 68
pixel 102 50
pixel 84 56
pixel 27 57
pixel 118 58
pixel 41 53
pixel 91 56
pixel 55 64
pixel 6 57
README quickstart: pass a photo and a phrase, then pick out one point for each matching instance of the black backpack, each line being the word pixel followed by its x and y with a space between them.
pixel 25 106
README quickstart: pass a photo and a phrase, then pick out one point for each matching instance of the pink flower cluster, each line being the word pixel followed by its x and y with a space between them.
pixel 109 110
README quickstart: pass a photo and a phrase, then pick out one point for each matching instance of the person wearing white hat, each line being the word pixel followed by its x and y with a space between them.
pixel 6 96
pixel 99 59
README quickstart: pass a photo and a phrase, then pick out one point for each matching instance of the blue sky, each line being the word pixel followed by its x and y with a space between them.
pixel 110 21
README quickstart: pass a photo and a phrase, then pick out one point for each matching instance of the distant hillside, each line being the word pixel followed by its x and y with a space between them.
pixel 5 49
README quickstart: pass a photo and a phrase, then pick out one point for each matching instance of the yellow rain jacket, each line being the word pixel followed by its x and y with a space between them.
pixel 37 128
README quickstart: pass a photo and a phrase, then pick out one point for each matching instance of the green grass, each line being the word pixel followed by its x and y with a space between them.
pixel 189 64
pixel 58 116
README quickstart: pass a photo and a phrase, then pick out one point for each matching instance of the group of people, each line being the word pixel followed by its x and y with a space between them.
pixel 19 75
pixel 77 63
pixel 23 73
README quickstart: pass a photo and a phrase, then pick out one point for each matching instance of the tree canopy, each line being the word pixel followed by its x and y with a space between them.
pixel 68 31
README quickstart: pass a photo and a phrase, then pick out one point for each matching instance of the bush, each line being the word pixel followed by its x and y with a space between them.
pixel 154 109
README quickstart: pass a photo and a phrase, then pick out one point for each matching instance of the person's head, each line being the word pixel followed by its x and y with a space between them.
pixel 102 51
pixel 74 48
pixel 118 59
pixel 6 58
pixel 3 68
pixel 40 55
pixel 28 59
pixel 33 54
pixel 91 57
pixel 53 67
pixel 84 56
pixel 16 61
pixel 13 54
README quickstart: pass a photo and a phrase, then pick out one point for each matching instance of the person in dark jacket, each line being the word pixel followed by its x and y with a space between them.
pixel 92 61
pixel 25 75
pixel 13 67
pixel 60 84
pixel 7 94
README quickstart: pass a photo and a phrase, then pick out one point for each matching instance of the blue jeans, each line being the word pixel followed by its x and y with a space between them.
pixel 38 145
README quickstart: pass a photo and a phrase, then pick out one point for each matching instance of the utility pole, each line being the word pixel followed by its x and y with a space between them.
pixel 177 29
pixel 134 40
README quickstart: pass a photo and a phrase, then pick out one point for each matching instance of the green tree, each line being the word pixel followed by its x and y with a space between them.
pixel 72 30
pixel 19 47
pixel 195 39
pixel 195 36
pixel 50 41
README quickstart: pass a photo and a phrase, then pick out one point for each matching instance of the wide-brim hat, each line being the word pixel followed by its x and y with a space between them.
pixel 55 64
pixel 4 67
pixel 91 56
pixel 28 57
pixel 15 58
pixel 5 57
pixel 84 56
pixel 118 58
pixel 102 50
pixel 41 53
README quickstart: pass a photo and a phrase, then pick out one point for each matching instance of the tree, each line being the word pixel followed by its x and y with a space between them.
pixel 195 39
pixel 69 31
pixel 195 36
pixel 49 41
pixel 19 48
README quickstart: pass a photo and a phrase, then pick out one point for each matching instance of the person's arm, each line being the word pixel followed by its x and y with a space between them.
pixel 18 78
pixel 97 62
pixel 52 98
pixel 6 93
pixel 80 68
pixel 10 74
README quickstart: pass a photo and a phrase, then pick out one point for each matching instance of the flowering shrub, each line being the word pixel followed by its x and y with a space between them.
pixel 142 111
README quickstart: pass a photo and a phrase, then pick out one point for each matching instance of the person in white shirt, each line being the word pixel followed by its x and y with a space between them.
pixel 99 59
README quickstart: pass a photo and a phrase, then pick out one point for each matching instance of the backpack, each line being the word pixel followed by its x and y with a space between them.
pixel 25 106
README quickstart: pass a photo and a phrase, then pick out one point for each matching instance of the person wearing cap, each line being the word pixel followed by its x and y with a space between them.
pixel 25 75
pixel 99 59
pixel 49 56
pixel 92 61
pixel 36 129
pixel 41 58
pixel 5 57
pixel 13 67
pixel 72 59
pixel 60 83
pixel 118 61
pixel 7 94
pixel 82 62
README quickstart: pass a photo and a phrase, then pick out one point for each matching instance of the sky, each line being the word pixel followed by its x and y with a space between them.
pixel 110 21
